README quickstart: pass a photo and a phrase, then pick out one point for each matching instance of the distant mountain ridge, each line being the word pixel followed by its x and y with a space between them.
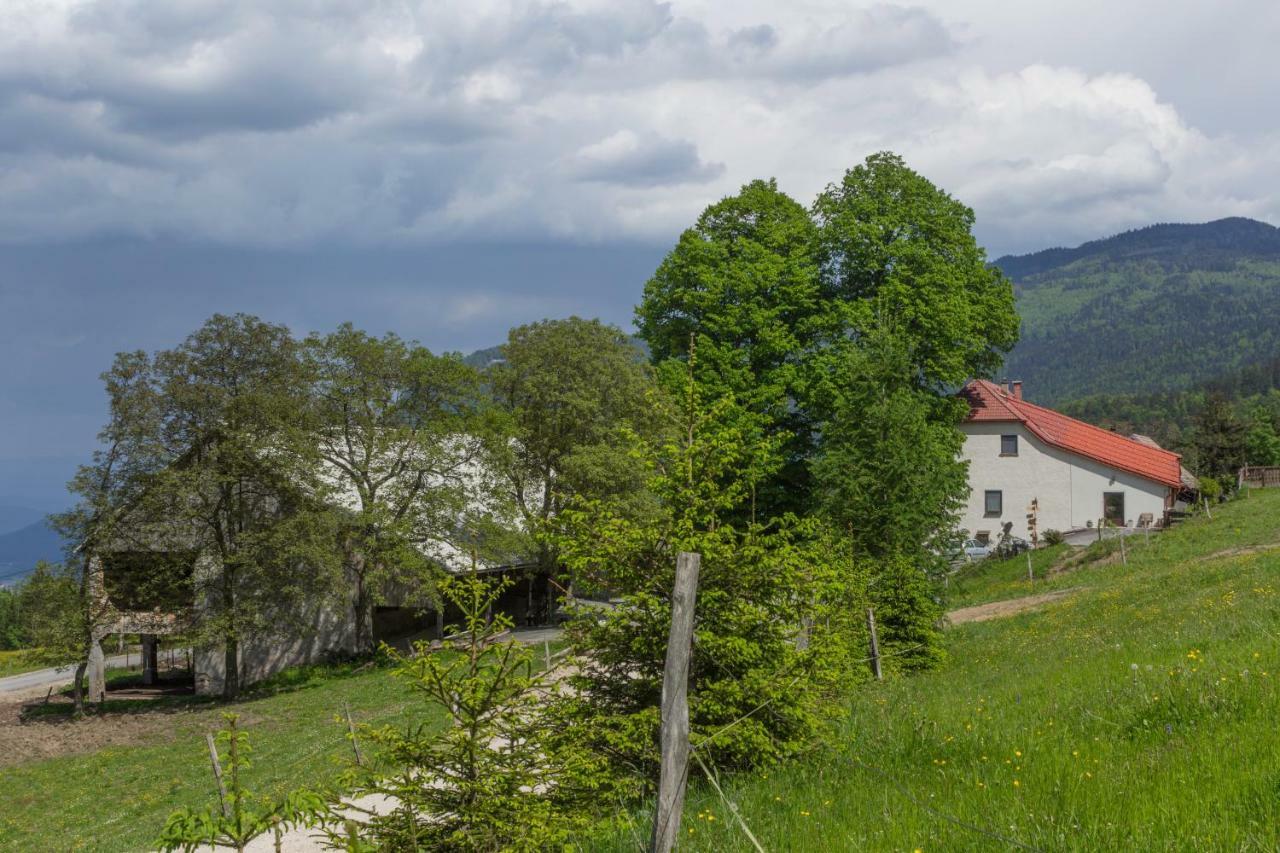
pixel 1233 234
pixel 1151 310
pixel 23 548
pixel 482 358
pixel 14 517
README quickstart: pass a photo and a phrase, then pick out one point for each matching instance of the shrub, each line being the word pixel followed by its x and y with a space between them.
pixel 907 614
pixel 1210 489
pixel 1053 537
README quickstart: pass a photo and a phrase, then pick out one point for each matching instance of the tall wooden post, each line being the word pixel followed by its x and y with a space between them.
pixel 217 773
pixel 97 673
pixel 875 644
pixel 675 706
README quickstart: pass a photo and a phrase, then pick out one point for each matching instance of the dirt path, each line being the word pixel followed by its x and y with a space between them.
pixel 1000 609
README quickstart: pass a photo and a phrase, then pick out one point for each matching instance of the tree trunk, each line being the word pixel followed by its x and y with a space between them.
pixel 77 687
pixel 363 611
pixel 231 665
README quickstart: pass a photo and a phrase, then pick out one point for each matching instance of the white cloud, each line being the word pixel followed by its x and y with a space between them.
pixel 300 123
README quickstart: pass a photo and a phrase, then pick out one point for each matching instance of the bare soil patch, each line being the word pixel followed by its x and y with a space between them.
pixel 32 731
pixel 1009 607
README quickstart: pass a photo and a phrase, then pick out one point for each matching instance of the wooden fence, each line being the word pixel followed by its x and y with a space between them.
pixel 1260 476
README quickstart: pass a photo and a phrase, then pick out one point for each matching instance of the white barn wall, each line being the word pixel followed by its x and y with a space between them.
pixel 1069 486
pixel 326 629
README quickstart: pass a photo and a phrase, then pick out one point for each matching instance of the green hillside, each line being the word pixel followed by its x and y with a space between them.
pixel 1156 309
pixel 1135 712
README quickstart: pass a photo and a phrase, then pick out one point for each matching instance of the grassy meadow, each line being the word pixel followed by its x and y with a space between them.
pixel 1137 713
pixel 116 798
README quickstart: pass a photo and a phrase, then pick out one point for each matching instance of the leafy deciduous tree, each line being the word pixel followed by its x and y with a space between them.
pixel 398 428
pixel 566 387
pixel 744 283
pixel 227 466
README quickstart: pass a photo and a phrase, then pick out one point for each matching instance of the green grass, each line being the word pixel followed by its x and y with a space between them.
pixel 16 663
pixel 1136 714
pixel 994 580
pixel 117 798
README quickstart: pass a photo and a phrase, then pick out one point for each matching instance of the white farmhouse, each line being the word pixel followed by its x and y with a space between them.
pixel 1076 472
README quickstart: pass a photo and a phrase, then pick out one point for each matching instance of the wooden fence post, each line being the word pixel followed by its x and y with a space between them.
pixel 1124 557
pixel 875 644
pixel 675 706
pixel 351 727
pixel 217 773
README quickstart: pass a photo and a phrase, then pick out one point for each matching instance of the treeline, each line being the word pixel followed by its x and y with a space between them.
pixel 794 425
pixel 1218 426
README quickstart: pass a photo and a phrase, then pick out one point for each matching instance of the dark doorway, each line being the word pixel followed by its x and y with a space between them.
pixel 1113 508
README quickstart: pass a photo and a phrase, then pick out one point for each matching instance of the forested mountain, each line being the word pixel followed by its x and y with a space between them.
pixel 1153 310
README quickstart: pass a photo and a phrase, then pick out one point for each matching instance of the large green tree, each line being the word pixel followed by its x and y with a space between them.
pixel 899 253
pixel 743 285
pixel 568 390
pixel 842 333
pixel 222 462
pixel 126 460
pixel 399 430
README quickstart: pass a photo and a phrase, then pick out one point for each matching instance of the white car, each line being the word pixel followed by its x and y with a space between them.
pixel 976 550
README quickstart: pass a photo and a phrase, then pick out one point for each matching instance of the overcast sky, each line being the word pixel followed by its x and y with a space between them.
pixel 447 170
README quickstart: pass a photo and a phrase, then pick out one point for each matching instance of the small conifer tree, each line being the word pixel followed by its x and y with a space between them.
pixel 498 777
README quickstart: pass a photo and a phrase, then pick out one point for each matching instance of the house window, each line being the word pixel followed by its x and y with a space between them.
pixel 983 537
pixel 1008 445
pixel 994 503
pixel 1113 508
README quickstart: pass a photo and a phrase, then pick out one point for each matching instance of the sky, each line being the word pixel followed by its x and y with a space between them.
pixel 447 170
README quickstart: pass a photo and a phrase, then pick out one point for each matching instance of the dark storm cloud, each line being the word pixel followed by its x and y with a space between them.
pixel 627 159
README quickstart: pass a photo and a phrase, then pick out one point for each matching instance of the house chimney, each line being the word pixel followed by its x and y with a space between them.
pixel 1016 387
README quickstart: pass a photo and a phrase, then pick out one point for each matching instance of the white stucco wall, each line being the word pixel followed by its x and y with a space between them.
pixel 328 632
pixel 1069 487
pixel 313 631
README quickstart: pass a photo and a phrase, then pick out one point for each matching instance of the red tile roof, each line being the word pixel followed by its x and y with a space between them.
pixel 989 402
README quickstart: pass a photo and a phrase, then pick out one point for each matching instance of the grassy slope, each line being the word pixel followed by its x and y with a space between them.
pixel 1136 714
pixel 993 580
pixel 117 798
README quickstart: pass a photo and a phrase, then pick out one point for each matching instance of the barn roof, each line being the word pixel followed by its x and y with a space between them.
pixel 989 402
